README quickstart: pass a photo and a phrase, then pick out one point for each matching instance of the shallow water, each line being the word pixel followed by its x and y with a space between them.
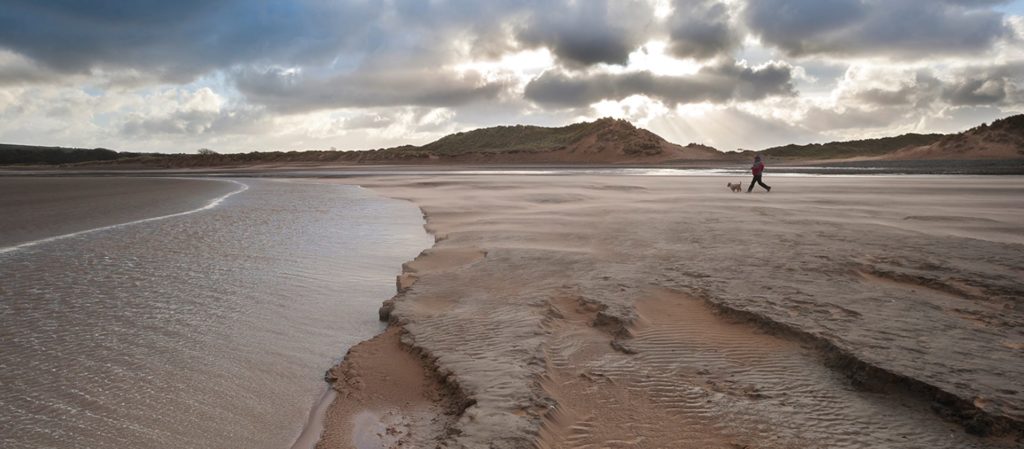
pixel 208 329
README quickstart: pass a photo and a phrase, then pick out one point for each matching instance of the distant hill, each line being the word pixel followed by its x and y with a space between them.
pixel 1003 139
pixel 512 139
pixel 852 148
pixel 35 155
pixel 602 141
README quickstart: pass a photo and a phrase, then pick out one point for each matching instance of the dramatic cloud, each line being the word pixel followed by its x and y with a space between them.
pixel 918 89
pixel 236 75
pixel 19 70
pixel 977 91
pixel 291 91
pixel 589 32
pixel 903 28
pixel 999 84
pixel 718 84
pixel 181 39
pixel 702 29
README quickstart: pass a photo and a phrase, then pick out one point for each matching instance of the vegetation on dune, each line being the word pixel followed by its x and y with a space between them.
pixel 1013 124
pixel 1007 131
pixel 598 135
pixel 605 141
pixel 852 148
pixel 1004 138
pixel 28 154
pixel 517 139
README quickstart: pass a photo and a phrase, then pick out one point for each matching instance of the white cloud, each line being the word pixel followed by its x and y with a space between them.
pixel 751 76
pixel 638 109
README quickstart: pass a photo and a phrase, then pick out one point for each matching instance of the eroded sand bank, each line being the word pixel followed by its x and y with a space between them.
pixel 615 311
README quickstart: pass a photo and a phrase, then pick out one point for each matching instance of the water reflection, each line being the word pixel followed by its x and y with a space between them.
pixel 206 330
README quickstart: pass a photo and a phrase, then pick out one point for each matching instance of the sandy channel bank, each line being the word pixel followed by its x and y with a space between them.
pixel 619 311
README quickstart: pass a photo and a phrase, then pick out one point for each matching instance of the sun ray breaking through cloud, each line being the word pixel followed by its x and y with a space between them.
pixel 303 74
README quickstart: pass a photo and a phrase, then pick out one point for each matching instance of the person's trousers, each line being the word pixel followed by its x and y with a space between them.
pixel 757 180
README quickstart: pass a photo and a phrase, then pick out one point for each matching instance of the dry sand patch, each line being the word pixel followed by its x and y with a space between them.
pixel 674 314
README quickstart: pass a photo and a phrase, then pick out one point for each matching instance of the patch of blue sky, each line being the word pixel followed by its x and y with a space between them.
pixel 1015 8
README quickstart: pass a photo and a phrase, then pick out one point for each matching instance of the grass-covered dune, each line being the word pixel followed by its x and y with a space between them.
pixel 603 141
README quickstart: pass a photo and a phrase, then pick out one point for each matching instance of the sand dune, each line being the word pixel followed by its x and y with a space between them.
pixel 614 311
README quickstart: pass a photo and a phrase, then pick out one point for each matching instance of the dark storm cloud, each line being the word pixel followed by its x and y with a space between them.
pixel 290 92
pixel 905 28
pixel 717 84
pixel 790 24
pixel 702 29
pixel 995 85
pixel 179 39
pixel 588 32
pixel 22 73
pixel 977 91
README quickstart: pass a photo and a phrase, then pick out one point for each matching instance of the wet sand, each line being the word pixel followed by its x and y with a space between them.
pixel 40 207
pixel 618 311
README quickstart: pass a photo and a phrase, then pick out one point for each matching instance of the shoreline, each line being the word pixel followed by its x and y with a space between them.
pixel 978 167
pixel 386 421
pixel 533 410
pixel 314 427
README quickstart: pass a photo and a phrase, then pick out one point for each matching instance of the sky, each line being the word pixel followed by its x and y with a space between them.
pixel 258 75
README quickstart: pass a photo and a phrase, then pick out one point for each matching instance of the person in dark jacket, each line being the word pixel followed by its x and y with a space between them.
pixel 756 169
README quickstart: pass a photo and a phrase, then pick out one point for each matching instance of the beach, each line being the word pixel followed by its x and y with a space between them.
pixel 512 225
pixel 641 311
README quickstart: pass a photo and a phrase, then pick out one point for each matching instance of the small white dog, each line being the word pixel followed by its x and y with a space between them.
pixel 734 187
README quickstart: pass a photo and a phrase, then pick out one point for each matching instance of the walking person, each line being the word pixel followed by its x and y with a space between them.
pixel 756 169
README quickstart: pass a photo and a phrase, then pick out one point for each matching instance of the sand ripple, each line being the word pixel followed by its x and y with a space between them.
pixel 571 313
